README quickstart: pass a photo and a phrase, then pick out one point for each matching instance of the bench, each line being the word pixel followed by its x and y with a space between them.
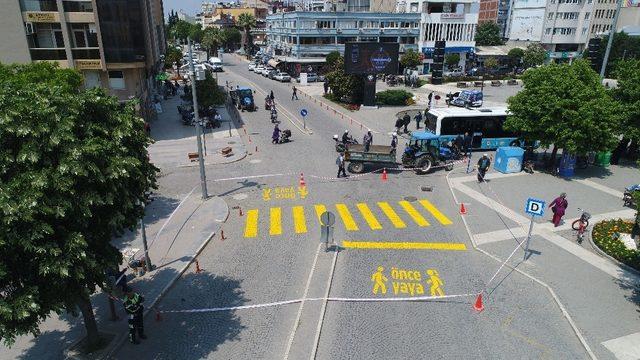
pixel 478 83
pixel 193 156
pixel 461 84
pixel 512 82
pixel 496 83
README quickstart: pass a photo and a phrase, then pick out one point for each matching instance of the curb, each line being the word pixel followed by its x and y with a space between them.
pixel 609 257
pixel 117 343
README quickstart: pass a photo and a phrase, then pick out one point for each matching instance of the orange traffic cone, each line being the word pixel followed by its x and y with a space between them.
pixel 384 174
pixel 198 270
pixel 463 210
pixel 302 183
pixel 478 306
pixel 240 211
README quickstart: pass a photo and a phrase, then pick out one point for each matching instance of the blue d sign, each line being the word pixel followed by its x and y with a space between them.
pixel 303 112
pixel 534 207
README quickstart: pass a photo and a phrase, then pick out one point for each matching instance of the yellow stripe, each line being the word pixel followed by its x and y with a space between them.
pixel 298 220
pixel 395 219
pixel 415 215
pixel 275 216
pixel 435 212
pixel 403 245
pixel 251 226
pixel 347 219
pixel 368 216
pixel 320 209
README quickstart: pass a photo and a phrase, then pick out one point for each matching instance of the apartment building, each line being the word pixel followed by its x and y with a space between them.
pixel 526 20
pixel 115 44
pixel 452 21
pixel 602 17
pixel 488 10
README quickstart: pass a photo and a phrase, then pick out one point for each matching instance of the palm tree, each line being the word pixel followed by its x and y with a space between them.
pixel 246 22
pixel 212 39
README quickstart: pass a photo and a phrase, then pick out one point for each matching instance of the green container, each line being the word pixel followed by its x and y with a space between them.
pixel 603 158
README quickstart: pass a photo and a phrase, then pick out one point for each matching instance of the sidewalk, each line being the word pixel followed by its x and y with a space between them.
pixel 174 141
pixel 174 239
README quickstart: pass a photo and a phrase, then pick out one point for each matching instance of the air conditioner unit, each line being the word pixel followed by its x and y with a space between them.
pixel 29 29
pixel 339 31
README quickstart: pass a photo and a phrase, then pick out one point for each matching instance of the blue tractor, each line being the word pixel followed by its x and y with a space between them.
pixel 424 151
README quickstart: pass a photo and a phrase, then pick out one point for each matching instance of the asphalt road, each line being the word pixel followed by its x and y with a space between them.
pixel 271 253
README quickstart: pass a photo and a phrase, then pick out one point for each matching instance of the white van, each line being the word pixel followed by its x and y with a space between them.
pixel 216 64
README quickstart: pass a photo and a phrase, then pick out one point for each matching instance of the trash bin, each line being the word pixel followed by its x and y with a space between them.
pixel 567 165
pixel 603 158
pixel 508 159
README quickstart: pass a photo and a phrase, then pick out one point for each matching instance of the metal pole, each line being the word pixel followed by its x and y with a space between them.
pixel 147 260
pixel 229 122
pixel 203 177
pixel 526 247
pixel 204 139
pixel 610 42
pixel 304 120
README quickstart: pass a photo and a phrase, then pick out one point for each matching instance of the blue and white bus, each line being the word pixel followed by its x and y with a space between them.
pixel 484 124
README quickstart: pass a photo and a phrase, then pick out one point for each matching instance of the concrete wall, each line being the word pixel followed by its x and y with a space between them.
pixel 13 42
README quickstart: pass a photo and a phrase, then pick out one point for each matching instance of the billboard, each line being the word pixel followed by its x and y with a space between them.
pixel 371 58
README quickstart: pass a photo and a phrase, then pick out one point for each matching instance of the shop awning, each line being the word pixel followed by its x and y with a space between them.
pixel 273 62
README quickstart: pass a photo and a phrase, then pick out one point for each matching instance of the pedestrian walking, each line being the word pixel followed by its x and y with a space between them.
pixel 340 163
pixel 430 97
pixel 295 93
pixel 406 119
pixel 458 143
pixel 483 165
pixel 558 207
pixel 394 141
pixel 326 87
pixel 418 119
pixel 275 137
pixel 367 140
pixel 468 139
pixel 271 95
pixel 133 306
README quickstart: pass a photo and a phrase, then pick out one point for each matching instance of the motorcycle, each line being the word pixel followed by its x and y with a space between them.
pixel 285 136
pixel 528 166
pixel 341 146
pixel 627 197
pixel 274 116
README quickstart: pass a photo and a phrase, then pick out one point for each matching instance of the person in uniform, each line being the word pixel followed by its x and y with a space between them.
pixel 133 306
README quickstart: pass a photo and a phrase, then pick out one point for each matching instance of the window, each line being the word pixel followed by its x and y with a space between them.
pixel 77 6
pixel 116 80
pixel 38 5
pixel 547 31
pixel 586 15
pixel 550 16
pixel 584 30
pixel 91 79
pixel 84 35
pixel 413 7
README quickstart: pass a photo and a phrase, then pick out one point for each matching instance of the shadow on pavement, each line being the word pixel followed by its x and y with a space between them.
pixel 633 290
pixel 244 184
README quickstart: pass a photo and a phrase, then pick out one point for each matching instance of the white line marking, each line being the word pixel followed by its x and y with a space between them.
pixel 601 187
pixel 249 177
pixel 625 347
pixel 316 341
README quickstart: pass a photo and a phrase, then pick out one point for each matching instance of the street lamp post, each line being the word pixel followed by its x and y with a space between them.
pixel 203 177
pixel 610 42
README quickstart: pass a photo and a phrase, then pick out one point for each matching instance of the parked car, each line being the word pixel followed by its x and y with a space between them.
pixel 311 77
pixel 282 76
pixel 216 64
pixel 258 69
pixel 321 78
pixel 468 98
pixel 272 74
pixel 266 71
pixel 251 66
pixel 453 73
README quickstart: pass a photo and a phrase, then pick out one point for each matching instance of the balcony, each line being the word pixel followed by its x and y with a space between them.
pixel 48 54
pixel 450 18
pixel 38 5
pixel 86 53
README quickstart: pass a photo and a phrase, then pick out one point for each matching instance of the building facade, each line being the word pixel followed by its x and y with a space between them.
pixel 566 28
pixel 488 10
pixel 453 21
pixel 115 44
pixel 526 20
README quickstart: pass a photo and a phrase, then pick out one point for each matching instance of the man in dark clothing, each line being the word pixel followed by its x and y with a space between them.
pixel 133 306
pixel 430 97
pixel 406 119
pixel 367 140
pixel 295 93
pixel 275 137
pixel 418 119
pixel 346 139
pixel 458 142
pixel 468 139
pixel 271 95
pixel 326 87
pixel 483 165
pixel 394 141
pixel 340 163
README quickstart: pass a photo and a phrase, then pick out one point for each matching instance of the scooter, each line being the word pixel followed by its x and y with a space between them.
pixel 528 166
pixel 274 116
pixel 340 146
pixel 285 136
pixel 627 197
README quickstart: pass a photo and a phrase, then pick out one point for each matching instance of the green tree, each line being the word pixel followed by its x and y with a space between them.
pixel 74 171
pixel 628 95
pixel 345 87
pixel 410 59
pixel 534 55
pixel 565 106
pixel 491 63
pixel 488 34
pixel 212 39
pixel 172 19
pixel 623 47
pixel 208 91
pixel 231 37
pixel 246 22
pixel 452 60
pixel 331 59
pixel 173 55
pixel 515 56
pixel 196 33
pixel 181 30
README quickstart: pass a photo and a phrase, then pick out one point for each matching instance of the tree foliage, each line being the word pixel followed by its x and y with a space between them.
pixel 231 37
pixel 331 59
pixel 410 59
pixel 212 39
pixel 488 34
pixel 208 91
pixel 491 63
pixel 515 56
pixel 623 47
pixel 345 87
pixel 181 30
pixel 173 55
pixel 534 55
pixel 246 22
pixel 452 60
pixel 73 169
pixel 628 95
pixel 565 105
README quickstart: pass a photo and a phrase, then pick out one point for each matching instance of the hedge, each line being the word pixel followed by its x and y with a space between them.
pixel 605 235
pixel 393 97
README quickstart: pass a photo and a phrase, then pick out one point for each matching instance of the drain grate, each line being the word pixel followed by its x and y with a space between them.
pixel 410 198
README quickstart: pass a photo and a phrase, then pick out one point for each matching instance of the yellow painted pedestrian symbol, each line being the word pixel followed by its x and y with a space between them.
pixel 379 281
pixel 302 191
pixel 266 194
pixel 436 283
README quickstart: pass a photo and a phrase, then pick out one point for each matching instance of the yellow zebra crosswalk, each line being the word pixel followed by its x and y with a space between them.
pixel 374 217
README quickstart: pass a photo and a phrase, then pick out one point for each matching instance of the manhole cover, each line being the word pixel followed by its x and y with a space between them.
pixel 411 198
pixel 231 142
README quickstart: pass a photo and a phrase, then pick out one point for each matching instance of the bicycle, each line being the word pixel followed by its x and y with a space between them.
pixel 581 225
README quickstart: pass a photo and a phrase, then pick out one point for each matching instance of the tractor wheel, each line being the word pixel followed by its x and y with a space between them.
pixel 424 165
pixel 355 167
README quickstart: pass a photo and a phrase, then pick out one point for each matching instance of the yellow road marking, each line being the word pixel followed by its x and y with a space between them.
pixel 275 216
pixel 347 219
pixel 403 245
pixel 415 215
pixel 251 227
pixel 435 212
pixel 298 220
pixel 395 219
pixel 320 209
pixel 368 216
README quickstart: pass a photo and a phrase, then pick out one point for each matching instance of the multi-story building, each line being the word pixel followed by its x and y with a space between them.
pixel 504 7
pixel 452 21
pixel 566 28
pixel 307 37
pixel 601 17
pixel 115 44
pixel 526 20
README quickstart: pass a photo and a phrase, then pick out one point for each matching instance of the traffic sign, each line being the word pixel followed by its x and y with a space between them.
pixel 534 207
pixel 304 112
pixel 327 218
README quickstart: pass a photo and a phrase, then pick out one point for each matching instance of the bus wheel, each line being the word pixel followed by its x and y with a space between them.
pixel 424 165
pixel 355 167
pixel 448 166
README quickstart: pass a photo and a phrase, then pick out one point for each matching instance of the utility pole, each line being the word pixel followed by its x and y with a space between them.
pixel 147 259
pixel 203 177
pixel 610 42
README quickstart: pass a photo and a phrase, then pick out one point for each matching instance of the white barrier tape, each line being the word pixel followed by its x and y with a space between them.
pixel 287 302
